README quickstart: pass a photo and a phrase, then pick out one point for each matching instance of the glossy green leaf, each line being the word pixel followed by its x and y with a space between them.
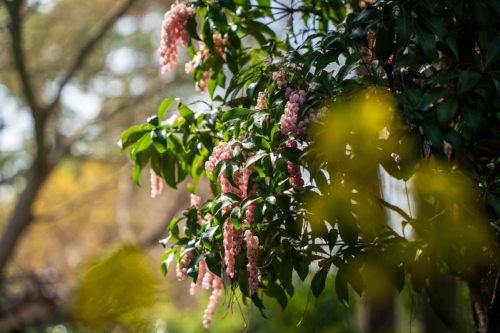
pixel 434 134
pixel 319 279
pixel 426 39
pixel 446 110
pixel 384 48
pixel 493 52
pixel 468 80
pixel 235 113
pixel 214 262
pixel 164 107
pixel 350 61
pixel 341 289
pixel 405 24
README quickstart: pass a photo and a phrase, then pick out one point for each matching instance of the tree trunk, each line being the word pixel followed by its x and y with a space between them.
pixel 22 215
pixel 484 311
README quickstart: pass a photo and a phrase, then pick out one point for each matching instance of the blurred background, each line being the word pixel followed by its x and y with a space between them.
pixel 79 249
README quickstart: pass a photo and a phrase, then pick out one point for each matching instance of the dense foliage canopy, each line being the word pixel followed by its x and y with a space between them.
pixel 298 128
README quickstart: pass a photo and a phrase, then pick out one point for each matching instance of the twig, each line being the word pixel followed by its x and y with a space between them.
pixel 85 49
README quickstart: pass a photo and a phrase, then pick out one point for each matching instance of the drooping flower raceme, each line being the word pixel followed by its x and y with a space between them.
pixel 222 152
pixel 214 299
pixel 182 266
pixel 252 246
pixel 288 120
pixel 156 184
pixel 261 101
pixel 201 273
pixel 206 283
pixel 280 78
pixel 173 29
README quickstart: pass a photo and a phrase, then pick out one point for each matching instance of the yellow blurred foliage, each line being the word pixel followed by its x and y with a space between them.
pixel 116 289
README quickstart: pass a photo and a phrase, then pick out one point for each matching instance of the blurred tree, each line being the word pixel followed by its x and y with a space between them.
pixel 66 64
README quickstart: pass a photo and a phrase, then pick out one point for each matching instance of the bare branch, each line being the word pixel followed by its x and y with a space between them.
pixel 13 8
pixel 85 49
pixel 63 143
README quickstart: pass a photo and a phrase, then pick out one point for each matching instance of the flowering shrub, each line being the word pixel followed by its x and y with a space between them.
pixel 293 143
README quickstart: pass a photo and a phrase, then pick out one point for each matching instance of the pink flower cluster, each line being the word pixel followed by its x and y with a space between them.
pixel 214 299
pixel 288 120
pixel 233 238
pixel 229 247
pixel 173 29
pixel 202 56
pixel 182 266
pixel 296 178
pixel 261 101
pixel 252 246
pixel 202 85
pixel 244 187
pixel 201 272
pixel 156 184
pixel 280 78
pixel 222 152
pixel 206 283
pixel 195 200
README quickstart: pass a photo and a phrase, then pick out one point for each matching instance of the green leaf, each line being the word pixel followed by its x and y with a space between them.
pixel 467 80
pixel 136 175
pixel 319 279
pixel 446 110
pixel 159 137
pixel 326 59
pixel 191 28
pixel 208 35
pixel 185 111
pixel 426 39
pixel 311 58
pixel 434 134
pixel 494 202
pixel 296 57
pixel 493 52
pixel 169 168
pixel 333 235
pixel 235 113
pixel 143 144
pixel 214 262
pixel 256 143
pixel 355 279
pixel 348 229
pixel 236 217
pixel 454 139
pixel 153 120
pixel 405 24
pixel 259 212
pixel 410 152
pixel 384 47
pixel 275 291
pixel 396 275
pixel 494 4
pixel 229 4
pixel 290 154
pixel 341 288
pixel 349 62
pixel 216 13
pixel 286 270
pixel 164 106
pixel 481 13
pixel 299 264
pixel 167 258
pixel 473 119
pixel 430 98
